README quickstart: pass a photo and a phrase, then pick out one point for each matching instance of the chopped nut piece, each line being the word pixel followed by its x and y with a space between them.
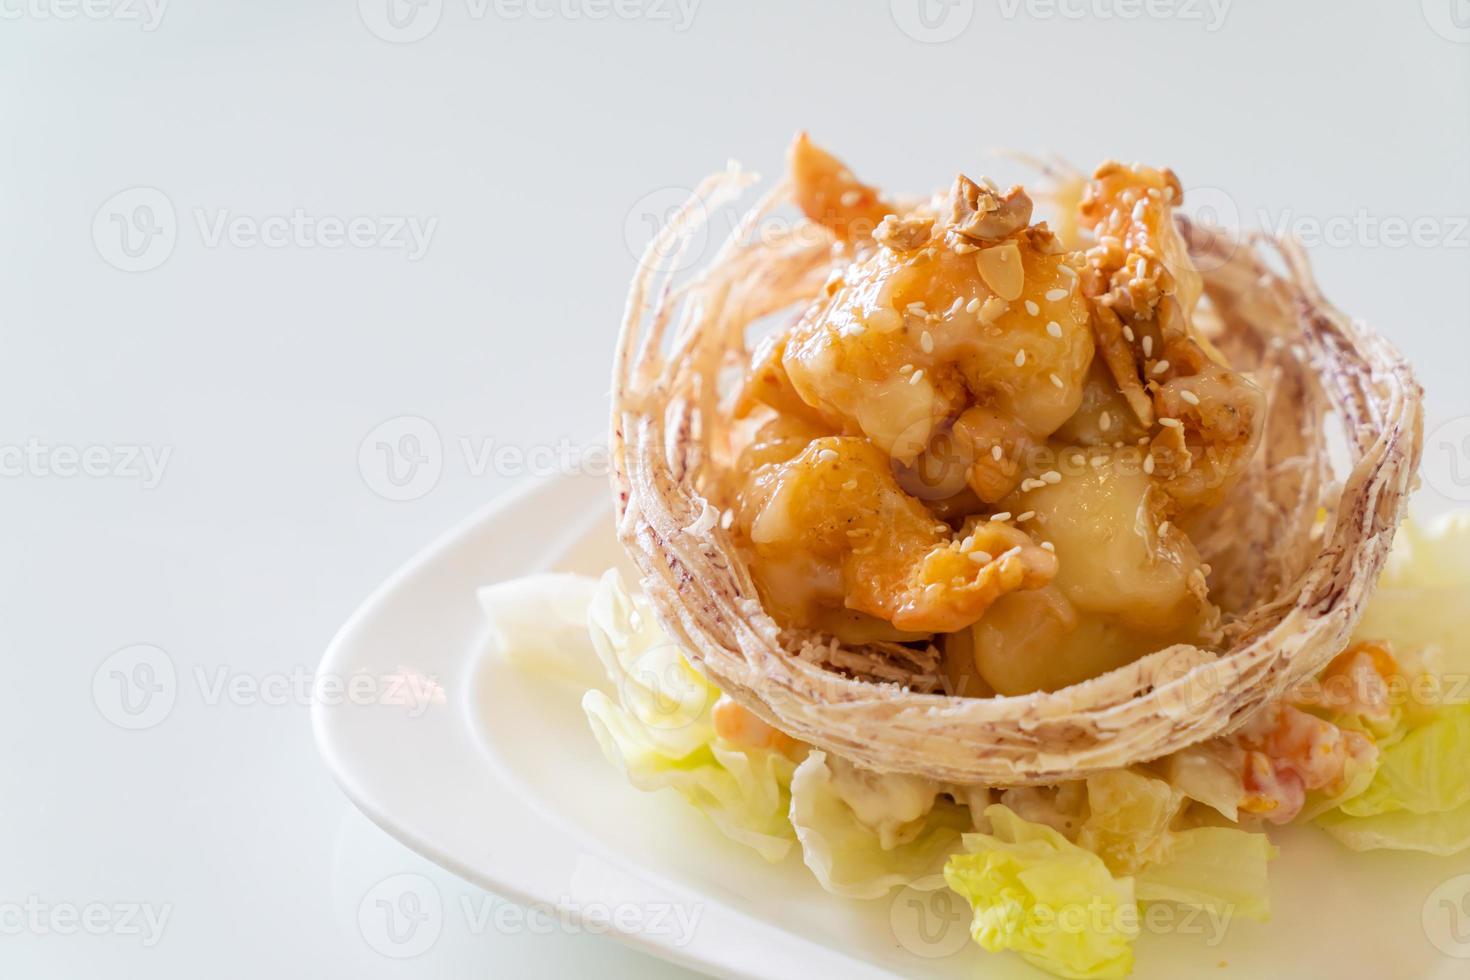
pixel 977 213
pixel 1000 267
pixel 904 234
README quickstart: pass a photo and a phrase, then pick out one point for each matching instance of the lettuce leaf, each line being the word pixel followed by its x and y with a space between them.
pixel 1216 868
pixel 1419 798
pixel 1036 893
pixel 1400 830
pixel 1419 795
pixel 1128 825
pixel 659 730
pixel 539 624
pixel 1222 869
pixel 850 846
pixel 1425 772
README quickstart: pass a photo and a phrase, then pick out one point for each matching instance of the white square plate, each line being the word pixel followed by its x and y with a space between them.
pixel 501 782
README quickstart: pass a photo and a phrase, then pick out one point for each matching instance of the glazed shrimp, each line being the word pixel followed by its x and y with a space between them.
pixel 955 307
pixel 1145 290
pixel 829 194
pixel 831 528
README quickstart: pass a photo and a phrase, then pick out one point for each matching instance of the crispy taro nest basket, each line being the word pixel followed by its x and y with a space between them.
pixel 1296 546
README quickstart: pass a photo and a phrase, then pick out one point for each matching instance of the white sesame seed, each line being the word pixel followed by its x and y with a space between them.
pixel 1021 357
pixel 926 341
pixel 1052 295
pixel 1004 515
pixel 856 330
pixel 726 519
pixel 1163 529
pixel 1105 421
pixel 954 307
pixel 1139 210
pixel 1026 516
pixel 827 455
pixel 1148 347
pixel 1171 423
pixel 914 378
pixel 1190 397
pixel 1049 546
pixel 906 369
pixel 996 453
pixel 917 307
pixel 1054 328
pixel 1057 382
pixel 1052 477
pixel 1032 308
pixel 1079 460
pixel 1161 367
pixel 1032 484
pixel 1128 334
pixel 981 557
pixel 972 305
pixel 1148 464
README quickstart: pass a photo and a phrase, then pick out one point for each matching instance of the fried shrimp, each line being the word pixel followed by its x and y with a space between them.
pixel 1145 292
pixel 831 529
pixel 961 366
pixel 965 307
pixel 829 194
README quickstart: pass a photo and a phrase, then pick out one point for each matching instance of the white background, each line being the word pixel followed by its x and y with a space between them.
pixel 537 140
